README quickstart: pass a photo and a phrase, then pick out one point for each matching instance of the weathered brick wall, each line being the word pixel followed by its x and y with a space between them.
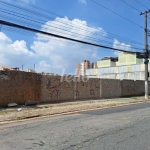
pixel 17 86
pixel 87 88
pixel 54 88
pixel 128 88
pixel 133 88
pixel 110 88
pixel 139 87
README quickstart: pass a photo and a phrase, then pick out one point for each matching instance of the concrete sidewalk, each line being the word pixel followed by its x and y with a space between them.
pixel 10 114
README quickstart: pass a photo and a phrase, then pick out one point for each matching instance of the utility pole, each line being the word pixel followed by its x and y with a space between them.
pixel 34 67
pixel 146 56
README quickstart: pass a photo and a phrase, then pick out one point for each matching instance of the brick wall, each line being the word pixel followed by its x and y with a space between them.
pixel 128 88
pixel 16 86
pixel 110 88
pixel 133 88
pixel 90 89
pixel 55 88
pixel 139 87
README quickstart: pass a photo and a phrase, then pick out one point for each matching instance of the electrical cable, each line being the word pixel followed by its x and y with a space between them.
pixel 52 13
pixel 28 4
pixel 141 4
pixel 117 14
pixel 131 6
pixel 95 39
pixel 59 36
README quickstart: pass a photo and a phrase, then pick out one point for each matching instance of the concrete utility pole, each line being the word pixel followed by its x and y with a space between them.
pixel 146 56
pixel 34 67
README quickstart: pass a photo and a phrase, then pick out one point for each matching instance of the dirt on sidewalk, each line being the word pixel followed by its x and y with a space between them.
pixel 10 114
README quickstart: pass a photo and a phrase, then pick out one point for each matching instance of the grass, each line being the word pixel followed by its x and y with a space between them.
pixel 135 98
pixel 62 108
pixel 46 106
pixel 20 117
pixel 3 112
pixel 6 112
pixel 111 105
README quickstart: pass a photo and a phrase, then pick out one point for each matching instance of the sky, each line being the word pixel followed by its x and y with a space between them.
pixel 79 19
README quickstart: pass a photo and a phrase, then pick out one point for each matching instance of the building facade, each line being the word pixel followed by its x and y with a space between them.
pixel 4 68
pixel 126 66
pixel 30 70
pixel 83 66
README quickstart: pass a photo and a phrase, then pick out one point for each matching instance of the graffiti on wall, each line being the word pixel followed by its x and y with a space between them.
pixel 56 88
pixel 20 86
pixel 92 92
pixel 56 82
pixel 89 89
pixel 4 77
pixel 55 94
pixel 38 79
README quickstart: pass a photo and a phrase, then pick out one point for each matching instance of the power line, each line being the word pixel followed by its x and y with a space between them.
pixel 14 14
pixel 117 14
pixel 29 4
pixel 56 27
pixel 29 33
pixel 70 43
pixel 37 13
pixel 74 33
pixel 134 7
pixel 95 39
pixel 131 6
pixel 141 4
pixel 61 16
pixel 59 36
pixel 70 34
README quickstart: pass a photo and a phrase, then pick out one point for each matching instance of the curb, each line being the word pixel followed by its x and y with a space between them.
pixel 36 117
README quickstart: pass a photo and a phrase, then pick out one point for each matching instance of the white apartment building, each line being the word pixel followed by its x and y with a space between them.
pixel 126 66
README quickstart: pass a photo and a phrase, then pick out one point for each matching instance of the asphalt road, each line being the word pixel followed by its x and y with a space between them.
pixel 121 128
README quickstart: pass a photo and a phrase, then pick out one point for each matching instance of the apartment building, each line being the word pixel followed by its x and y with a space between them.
pixel 81 67
pixel 125 66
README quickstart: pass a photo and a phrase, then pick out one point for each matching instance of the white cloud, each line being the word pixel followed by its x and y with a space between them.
pixel 19 48
pixel 48 53
pixel 43 66
pixel 12 53
pixel 83 1
pixel 121 46
pixel 73 29
pixel 65 54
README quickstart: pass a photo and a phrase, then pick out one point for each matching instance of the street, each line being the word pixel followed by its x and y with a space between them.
pixel 120 128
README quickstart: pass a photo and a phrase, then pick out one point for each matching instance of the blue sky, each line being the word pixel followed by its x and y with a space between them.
pixel 82 19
